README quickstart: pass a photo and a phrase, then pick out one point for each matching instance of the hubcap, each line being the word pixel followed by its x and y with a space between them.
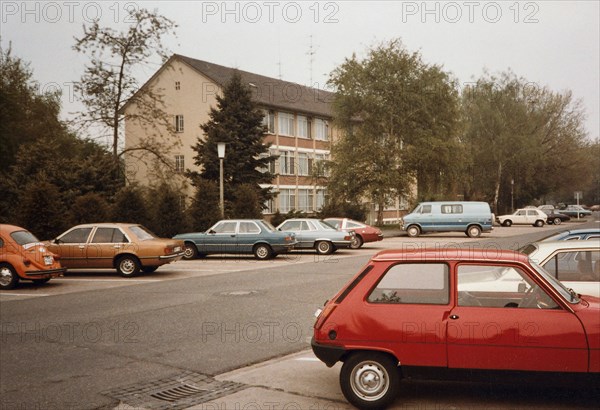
pixel 127 266
pixel 5 276
pixel 262 252
pixel 369 381
pixel 188 252
pixel 324 247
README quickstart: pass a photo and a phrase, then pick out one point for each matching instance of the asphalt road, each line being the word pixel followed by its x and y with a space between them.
pixel 65 344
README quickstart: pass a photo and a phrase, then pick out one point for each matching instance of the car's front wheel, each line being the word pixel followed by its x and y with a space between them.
pixel 473 231
pixel 128 266
pixel 557 221
pixel 8 276
pixel 413 231
pixel 507 223
pixel 324 247
pixel 262 251
pixel 370 380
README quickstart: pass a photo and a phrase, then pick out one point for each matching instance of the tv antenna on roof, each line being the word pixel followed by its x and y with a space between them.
pixel 311 54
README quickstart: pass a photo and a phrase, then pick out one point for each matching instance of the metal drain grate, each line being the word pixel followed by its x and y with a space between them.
pixel 177 392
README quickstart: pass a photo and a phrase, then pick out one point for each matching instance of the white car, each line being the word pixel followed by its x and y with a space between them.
pixel 575 263
pixel 524 216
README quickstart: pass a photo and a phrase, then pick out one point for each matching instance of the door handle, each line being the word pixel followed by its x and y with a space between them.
pixel 117 246
pixel 81 246
pixel 453 317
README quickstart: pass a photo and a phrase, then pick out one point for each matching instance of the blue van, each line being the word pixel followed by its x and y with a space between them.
pixel 469 217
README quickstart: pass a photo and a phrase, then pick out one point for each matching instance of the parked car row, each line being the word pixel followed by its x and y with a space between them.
pixel 260 238
pixel 131 248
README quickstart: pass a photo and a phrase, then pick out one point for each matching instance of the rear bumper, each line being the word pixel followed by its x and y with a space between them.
pixel 329 355
pixel 171 258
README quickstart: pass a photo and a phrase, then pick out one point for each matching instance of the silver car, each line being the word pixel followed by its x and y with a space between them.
pixel 312 233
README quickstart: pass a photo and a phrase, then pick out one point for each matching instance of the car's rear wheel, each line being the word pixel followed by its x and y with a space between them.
pixel 473 231
pixel 413 231
pixel 324 247
pixel 507 223
pixel 262 251
pixel 357 242
pixel 557 221
pixel 581 215
pixel 8 276
pixel 370 380
pixel 539 223
pixel 128 266
pixel 190 251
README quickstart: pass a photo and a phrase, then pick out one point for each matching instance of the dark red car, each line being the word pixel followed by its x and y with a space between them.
pixel 430 313
pixel 363 233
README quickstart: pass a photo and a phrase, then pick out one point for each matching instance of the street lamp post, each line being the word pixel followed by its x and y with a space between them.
pixel 221 154
pixel 512 195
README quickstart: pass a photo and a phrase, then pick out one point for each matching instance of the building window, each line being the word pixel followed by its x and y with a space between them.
pixel 319 166
pixel 286 163
pixel 286 123
pixel 305 200
pixel 303 164
pixel 321 197
pixel 270 167
pixel 177 85
pixel 304 125
pixel 269 121
pixel 179 123
pixel 287 200
pixel 179 163
pixel 321 130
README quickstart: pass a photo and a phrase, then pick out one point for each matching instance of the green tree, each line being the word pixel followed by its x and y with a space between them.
pixel 40 209
pixel 89 208
pixel 109 80
pixel 246 203
pixel 236 121
pixel 168 214
pixel 130 206
pixel 399 121
pixel 204 210
pixel 527 138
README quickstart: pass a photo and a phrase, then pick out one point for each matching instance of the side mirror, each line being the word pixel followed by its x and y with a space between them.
pixel 211 232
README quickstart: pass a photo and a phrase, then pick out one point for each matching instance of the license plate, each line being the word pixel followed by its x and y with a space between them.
pixel 177 249
pixel 48 260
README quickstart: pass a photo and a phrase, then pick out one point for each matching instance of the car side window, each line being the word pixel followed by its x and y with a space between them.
pixel 1 243
pixel 225 227
pixel 426 209
pixel 108 235
pixel 305 226
pixel 413 283
pixel 79 235
pixel 249 227
pixel 291 226
pixel 575 266
pixel 499 287
pixel 521 213
pixel 352 225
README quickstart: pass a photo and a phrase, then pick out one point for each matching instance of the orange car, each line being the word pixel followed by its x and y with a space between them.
pixel 128 248
pixel 23 256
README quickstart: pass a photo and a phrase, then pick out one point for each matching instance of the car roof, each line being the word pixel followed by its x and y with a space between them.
pixel 552 245
pixel 460 254
pixel 10 228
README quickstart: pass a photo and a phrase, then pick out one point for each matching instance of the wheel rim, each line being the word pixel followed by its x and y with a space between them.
pixel 127 266
pixel 557 221
pixel 412 231
pixel 356 242
pixel 6 276
pixel 262 252
pixel 188 252
pixel 369 381
pixel 474 232
pixel 323 247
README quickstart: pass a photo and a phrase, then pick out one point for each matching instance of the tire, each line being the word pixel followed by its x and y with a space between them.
pixel 473 231
pixel 370 380
pixel 128 266
pixel 582 215
pixel 40 281
pixel 8 276
pixel 262 251
pixel 190 251
pixel 357 242
pixel 149 269
pixel 556 221
pixel 324 247
pixel 539 223
pixel 413 231
pixel 507 223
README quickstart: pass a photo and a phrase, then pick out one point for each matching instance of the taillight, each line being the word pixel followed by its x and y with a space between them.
pixel 327 311
pixel 168 250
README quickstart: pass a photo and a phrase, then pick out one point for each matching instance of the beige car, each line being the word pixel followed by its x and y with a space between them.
pixel 128 248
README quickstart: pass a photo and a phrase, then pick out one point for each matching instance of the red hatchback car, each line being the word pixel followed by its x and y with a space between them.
pixel 22 256
pixel 430 313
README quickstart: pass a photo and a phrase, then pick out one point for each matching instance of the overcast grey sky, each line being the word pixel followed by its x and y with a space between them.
pixel 550 43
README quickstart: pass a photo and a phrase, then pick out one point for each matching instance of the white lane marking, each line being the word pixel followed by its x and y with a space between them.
pixel 307 359
pixel 24 294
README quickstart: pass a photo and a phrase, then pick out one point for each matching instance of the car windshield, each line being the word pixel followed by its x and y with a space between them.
pixel 24 237
pixel 568 294
pixel 142 233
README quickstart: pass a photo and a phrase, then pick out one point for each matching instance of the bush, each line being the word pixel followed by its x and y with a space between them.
pixel 354 211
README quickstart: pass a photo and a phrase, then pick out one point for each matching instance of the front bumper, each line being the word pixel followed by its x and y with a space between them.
pixel 328 354
pixel 43 274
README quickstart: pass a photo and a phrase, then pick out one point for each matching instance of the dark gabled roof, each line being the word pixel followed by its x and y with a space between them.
pixel 267 91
